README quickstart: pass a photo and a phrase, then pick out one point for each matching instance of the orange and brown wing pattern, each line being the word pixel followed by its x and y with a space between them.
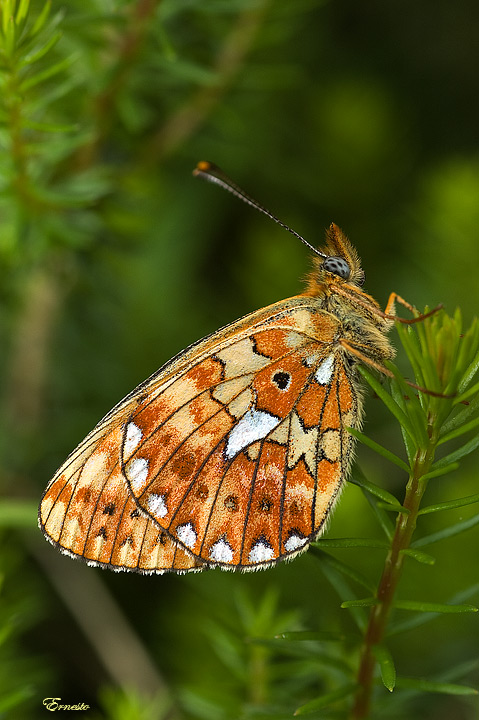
pixel 88 512
pixel 241 457
pixel 87 509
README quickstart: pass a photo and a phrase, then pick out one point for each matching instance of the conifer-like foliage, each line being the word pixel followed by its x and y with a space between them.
pixel 112 258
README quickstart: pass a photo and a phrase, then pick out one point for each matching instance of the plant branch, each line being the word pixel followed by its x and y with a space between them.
pixel 231 55
pixel 128 47
pixel 405 526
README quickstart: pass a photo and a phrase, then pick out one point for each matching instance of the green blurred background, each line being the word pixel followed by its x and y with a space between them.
pixel 365 114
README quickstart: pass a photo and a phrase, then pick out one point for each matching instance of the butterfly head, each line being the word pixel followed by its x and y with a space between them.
pixel 337 262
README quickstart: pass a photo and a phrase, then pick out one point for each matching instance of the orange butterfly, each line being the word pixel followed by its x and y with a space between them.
pixel 233 454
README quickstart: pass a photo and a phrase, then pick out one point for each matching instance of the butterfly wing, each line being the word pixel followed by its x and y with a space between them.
pixel 75 510
pixel 240 454
pixel 88 512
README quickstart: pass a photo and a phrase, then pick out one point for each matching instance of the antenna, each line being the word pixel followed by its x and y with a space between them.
pixel 212 173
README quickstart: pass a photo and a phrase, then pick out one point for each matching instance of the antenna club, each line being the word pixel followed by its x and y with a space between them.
pixel 203 166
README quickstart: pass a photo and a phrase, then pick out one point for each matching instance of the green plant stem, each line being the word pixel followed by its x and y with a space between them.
pixel 405 526
pixel 258 675
pixel 13 103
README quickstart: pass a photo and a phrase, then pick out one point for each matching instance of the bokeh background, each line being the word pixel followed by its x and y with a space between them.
pixel 114 258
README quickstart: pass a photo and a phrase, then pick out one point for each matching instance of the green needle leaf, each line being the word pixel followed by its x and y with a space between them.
pixel 419 606
pixel 445 470
pixel 467 394
pixel 414 621
pixel 379 492
pixel 391 405
pixel 465 449
pixel 386 665
pixel 314 636
pixel 361 602
pixel 419 556
pixel 449 505
pixel 459 431
pixel 379 449
pixel 396 508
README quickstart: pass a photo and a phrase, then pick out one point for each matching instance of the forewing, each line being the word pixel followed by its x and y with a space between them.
pixel 241 457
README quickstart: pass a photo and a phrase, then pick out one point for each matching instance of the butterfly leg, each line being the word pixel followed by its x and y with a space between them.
pixel 353 349
pixel 390 313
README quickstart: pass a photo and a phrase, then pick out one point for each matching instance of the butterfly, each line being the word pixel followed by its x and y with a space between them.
pixel 234 453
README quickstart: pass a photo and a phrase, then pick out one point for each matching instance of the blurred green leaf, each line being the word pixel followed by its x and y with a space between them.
pixel 39 52
pixel 18 513
pixel 32 80
pixel 13 699
pixel 41 19
pixel 310 635
pixel 350 542
pixel 326 700
pixel 450 531
pixel 434 687
pixel 343 589
pixel 343 568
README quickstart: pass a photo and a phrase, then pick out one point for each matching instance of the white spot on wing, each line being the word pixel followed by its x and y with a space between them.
pixel 221 551
pixel 137 472
pixel 157 505
pixel 260 552
pixel 294 542
pixel 325 371
pixel 133 437
pixel 311 360
pixel 254 425
pixel 187 534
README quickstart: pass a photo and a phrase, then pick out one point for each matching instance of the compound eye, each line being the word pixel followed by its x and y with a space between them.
pixel 338 266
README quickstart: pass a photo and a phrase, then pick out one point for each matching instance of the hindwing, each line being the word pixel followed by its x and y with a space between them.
pixel 88 512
